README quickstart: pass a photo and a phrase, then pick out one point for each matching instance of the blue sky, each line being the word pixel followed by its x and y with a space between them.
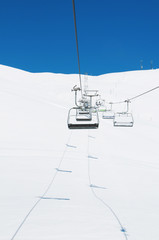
pixel 38 36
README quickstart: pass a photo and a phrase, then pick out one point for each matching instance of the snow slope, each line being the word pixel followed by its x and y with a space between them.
pixel 123 170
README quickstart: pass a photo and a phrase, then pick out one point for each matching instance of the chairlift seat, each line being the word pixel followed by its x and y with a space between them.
pixel 74 122
pixel 123 119
pixel 108 114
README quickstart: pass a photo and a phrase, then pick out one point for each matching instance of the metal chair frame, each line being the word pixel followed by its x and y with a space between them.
pixel 124 119
pixel 83 116
pixel 108 114
pixel 74 123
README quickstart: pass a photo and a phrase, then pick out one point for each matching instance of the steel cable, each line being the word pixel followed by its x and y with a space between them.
pixel 132 98
pixel 143 93
pixel 74 14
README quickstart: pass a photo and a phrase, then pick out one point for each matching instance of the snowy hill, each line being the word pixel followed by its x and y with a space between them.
pixel 38 153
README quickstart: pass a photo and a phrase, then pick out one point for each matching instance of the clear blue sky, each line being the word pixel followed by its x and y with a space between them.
pixel 38 36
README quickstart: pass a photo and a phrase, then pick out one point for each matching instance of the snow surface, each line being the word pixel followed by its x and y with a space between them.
pixel 122 163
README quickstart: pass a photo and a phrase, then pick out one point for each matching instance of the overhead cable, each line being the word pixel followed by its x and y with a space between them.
pixel 143 93
pixel 130 99
pixel 74 14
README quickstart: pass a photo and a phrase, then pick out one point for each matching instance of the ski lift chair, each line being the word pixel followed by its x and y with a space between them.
pixel 84 122
pixel 108 114
pixel 123 119
pixel 84 115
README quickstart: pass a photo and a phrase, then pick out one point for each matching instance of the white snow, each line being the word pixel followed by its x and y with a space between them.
pixel 123 163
